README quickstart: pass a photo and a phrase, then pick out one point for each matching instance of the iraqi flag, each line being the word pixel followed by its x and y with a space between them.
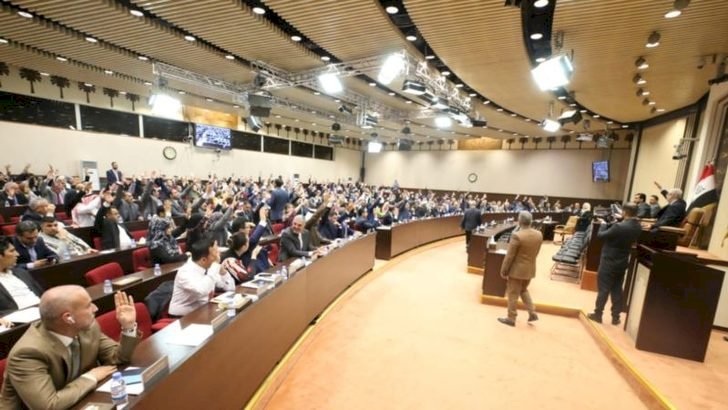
pixel 705 193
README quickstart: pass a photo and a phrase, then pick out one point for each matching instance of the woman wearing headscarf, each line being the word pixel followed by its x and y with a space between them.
pixel 163 247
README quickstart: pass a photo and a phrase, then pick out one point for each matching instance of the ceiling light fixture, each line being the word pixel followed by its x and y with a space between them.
pixel 472 94
pixel 25 14
pixel 181 92
pixel 109 72
pixel 143 58
pixel 91 39
pixel 392 67
pixel 208 99
pixel 445 73
pixel 561 97
pixel 536 36
pixel 164 105
pixel 541 3
pixel 550 125
pixel 3 41
pixel 44 74
pixel 190 38
pixel 230 57
pixel 326 58
pixel 653 40
pixel 553 73
pixel 458 86
pixel 392 10
pixel 641 63
pixel 148 83
pixel 677 8
pixel 486 102
pixel 660 110
pixel 296 38
pixel 642 93
pixel 63 59
pixel 372 84
pixel 652 103
pixel 316 93
pixel 259 10
pixel 136 13
pixel 499 109
pixel 443 122
pixel 429 57
pixel 411 37
pixel 390 93
pixel 330 83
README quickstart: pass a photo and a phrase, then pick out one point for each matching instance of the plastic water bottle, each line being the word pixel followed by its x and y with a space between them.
pixel 231 310
pixel 284 272
pixel 65 255
pixel 157 270
pixel 118 390
pixel 133 243
pixel 107 287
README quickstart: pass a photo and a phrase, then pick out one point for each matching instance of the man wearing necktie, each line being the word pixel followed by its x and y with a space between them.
pixel 296 241
pixel 56 362
pixel 113 175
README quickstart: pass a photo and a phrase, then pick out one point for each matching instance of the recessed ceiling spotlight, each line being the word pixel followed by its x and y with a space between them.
pixel 230 57
pixel 109 72
pixel 236 106
pixel 337 100
pixel 562 97
pixel 429 57
pixel 610 122
pixel 528 120
pixel 88 84
pixel 499 109
pixel 582 111
pixel 672 14
pixel 411 37
pixel 143 58
pixel 392 10
pixel 278 116
pixel 651 103
pixel 513 115
pixel 596 116
pixel 313 123
pixel 147 83
pixel 3 41
pixel 445 73
pixel 572 105
pixel 313 111
pixel 408 102
pixel 660 110
pixel 181 92
pixel 372 84
pixel 25 14
pixel 541 3
pixel 625 126
pixel 296 38
pixel 326 58
pixel 641 63
pixel 500 129
pixel 44 74
pixel 637 79
pixel 91 39
pixel 390 93
pixel 541 59
pixel 486 102
pixel 208 99
pixel 536 36
pixel 653 40
pixel 316 93
pixel 259 10
pixel 458 86
pixel 190 38
pixel 136 13
pixel 63 59
pixel 122 92
pixel 472 94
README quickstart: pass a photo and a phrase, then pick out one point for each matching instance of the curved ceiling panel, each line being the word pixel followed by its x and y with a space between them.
pixel 608 37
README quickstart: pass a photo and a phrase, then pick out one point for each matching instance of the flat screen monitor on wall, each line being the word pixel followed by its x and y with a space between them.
pixel 600 171
pixel 208 136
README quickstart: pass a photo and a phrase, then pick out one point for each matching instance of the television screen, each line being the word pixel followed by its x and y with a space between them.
pixel 207 136
pixel 600 171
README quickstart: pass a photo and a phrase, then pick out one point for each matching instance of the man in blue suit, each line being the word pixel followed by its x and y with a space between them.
pixel 674 213
pixel 277 202
pixel 32 250
pixel 113 175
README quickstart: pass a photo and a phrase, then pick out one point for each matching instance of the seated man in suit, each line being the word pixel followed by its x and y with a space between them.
pixel 643 208
pixel 56 362
pixel 674 212
pixel 114 234
pixel 128 209
pixel 60 240
pixel 18 290
pixel 32 250
pixel 37 209
pixel 296 241
pixel 519 267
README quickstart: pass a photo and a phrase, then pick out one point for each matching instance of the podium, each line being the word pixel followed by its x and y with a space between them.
pixel 673 299
pixel 493 284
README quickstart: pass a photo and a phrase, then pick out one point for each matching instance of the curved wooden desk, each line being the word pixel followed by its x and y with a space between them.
pixel 399 238
pixel 225 371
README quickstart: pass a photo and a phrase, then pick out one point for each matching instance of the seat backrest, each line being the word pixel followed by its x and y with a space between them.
pixel 3 363
pixel 571 222
pixel 99 274
pixel 8 230
pixel 277 228
pixel 273 251
pixel 2 220
pixel 97 243
pixel 690 225
pixel 111 328
pixel 15 219
pixel 141 259
pixel 182 246
pixel 158 301
pixel 137 235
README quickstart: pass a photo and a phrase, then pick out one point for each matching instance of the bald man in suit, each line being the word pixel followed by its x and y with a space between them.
pixel 519 267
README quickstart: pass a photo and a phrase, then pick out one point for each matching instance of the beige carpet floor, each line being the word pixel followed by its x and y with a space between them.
pixel 413 334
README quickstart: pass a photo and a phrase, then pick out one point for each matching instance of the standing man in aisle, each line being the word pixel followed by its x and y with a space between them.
pixel 519 267
pixel 471 220
pixel 618 240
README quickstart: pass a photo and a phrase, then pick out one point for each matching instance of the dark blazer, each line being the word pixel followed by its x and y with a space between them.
pixel 19 199
pixel 7 303
pixel 471 219
pixel 277 203
pixel 618 240
pixel 291 247
pixel 42 251
pixel 671 215
pixel 644 210
pixel 109 230
pixel 111 177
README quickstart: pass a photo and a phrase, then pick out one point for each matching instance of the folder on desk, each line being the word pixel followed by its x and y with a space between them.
pixel 28 315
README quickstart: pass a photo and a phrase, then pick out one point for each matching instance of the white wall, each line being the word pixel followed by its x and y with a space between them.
pixel 40 146
pixel 654 158
pixel 535 172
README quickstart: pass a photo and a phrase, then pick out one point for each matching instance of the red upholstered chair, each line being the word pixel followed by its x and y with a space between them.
pixel 3 363
pixel 9 230
pixel 182 246
pixel 15 219
pixel 97 243
pixel 2 220
pixel 137 235
pixel 273 252
pixel 277 228
pixel 61 216
pixel 141 259
pixel 110 326
pixel 100 274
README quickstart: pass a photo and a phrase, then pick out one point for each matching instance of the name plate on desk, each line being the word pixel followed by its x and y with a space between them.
pixel 155 372
pixel 125 281
pixel 257 286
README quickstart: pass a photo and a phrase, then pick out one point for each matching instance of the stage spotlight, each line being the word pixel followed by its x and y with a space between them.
pixel 553 73
pixel 443 122
pixel 413 87
pixel 550 125
pixel 571 116
pixel 330 83
pixel 406 130
pixel 335 126
pixel 653 40
pixel 344 109
pixel 255 123
pixel 392 67
pixel 641 63
pixel 164 105
pixel 260 105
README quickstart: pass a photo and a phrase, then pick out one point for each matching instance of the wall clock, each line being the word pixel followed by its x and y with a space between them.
pixel 472 177
pixel 169 152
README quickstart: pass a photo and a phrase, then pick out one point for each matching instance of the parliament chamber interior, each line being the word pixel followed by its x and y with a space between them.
pixel 349 204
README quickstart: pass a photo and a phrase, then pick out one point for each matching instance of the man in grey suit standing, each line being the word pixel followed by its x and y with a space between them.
pixel 471 220
pixel 519 267
pixel 618 239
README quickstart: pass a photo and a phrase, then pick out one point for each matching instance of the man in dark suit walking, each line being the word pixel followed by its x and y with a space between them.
pixel 674 212
pixel 618 239
pixel 296 241
pixel 113 175
pixel 18 290
pixel 277 202
pixel 32 250
pixel 471 220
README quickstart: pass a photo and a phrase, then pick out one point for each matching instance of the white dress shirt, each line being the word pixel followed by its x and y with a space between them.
pixel 124 238
pixel 193 285
pixel 18 290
